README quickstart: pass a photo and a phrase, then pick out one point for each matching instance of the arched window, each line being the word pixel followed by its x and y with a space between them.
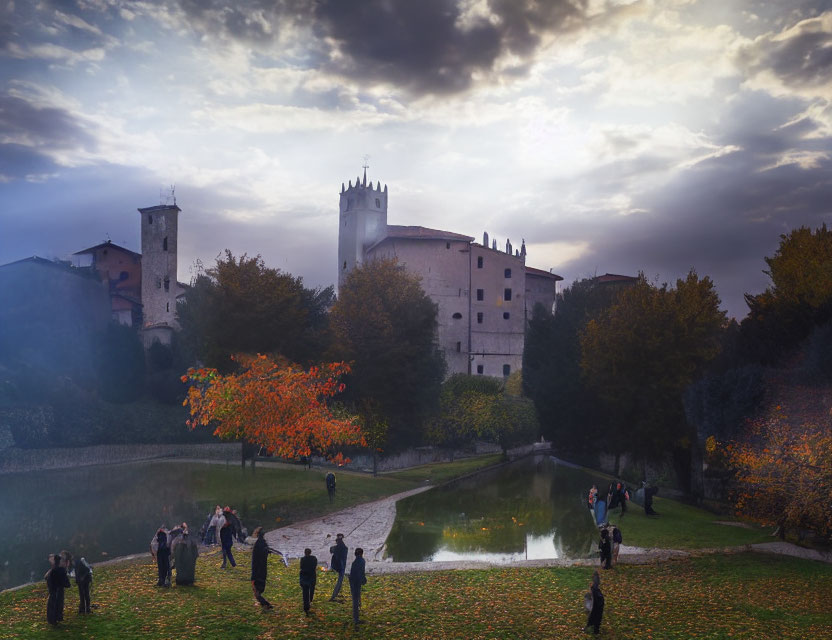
pixel 165 244
pixel 457 316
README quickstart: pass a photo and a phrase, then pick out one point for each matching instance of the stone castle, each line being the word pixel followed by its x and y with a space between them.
pixel 485 296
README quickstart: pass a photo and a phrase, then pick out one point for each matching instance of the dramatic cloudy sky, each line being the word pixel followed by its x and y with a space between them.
pixel 614 136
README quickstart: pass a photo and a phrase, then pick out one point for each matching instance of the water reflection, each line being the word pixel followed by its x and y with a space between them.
pixel 109 511
pixel 531 509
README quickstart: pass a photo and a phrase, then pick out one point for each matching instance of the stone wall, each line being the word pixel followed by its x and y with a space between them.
pixel 413 457
pixel 14 460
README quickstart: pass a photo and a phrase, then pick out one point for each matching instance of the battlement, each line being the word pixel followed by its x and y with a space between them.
pixel 363 197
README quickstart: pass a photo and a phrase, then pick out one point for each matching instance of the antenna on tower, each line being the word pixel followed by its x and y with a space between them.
pixel 169 197
pixel 366 166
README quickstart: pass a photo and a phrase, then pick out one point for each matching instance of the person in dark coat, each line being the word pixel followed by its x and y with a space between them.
pixel 649 492
pixel 623 496
pixel 185 552
pixel 617 539
pixel 83 578
pixel 162 558
pixel 56 581
pixel 612 497
pixel 308 578
pixel 338 563
pixel 330 485
pixel 605 549
pixel 260 568
pixel 227 538
pixel 597 611
pixel 358 579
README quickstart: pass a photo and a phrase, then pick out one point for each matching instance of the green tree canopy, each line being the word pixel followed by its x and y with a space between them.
pixel 385 324
pixel 242 306
pixel 642 352
pixel 798 300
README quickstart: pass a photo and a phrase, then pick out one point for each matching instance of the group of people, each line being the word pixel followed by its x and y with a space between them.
pixel 308 577
pixel 617 496
pixel 175 549
pixel 61 568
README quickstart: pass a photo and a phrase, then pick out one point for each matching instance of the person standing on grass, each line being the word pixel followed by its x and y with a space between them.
pixel 338 563
pixel 83 578
pixel 162 558
pixel 185 553
pixel 56 581
pixel 330 485
pixel 226 538
pixel 260 568
pixel 605 549
pixel 308 578
pixel 597 611
pixel 617 539
pixel 358 579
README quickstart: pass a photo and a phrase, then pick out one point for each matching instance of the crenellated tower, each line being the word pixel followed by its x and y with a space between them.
pixel 362 222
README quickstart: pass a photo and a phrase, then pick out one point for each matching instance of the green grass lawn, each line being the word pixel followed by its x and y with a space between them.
pixel 681 526
pixel 280 496
pixel 738 596
pixel 443 471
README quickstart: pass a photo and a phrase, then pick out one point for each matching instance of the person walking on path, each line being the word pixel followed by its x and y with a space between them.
pixel 605 549
pixel 226 538
pixel 330 485
pixel 358 579
pixel 260 568
pixel 308 578
pixel 597 611
pixel 56 581
pixel 83 578
pixel 162 554
pixel 338 563
pixel 617 539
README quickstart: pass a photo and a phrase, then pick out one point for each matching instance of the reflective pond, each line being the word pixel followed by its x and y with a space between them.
pixel 530 509
pixel 104 512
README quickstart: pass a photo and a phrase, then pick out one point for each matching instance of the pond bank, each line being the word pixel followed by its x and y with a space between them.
pixel 16 460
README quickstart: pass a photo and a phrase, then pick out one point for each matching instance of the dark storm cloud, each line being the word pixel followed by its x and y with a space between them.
pixel 33 133
pixel 426 47
pixel 801 59
pixel 42 126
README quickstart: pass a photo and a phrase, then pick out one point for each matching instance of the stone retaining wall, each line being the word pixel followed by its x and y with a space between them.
pixel 14 460
pixel 413 457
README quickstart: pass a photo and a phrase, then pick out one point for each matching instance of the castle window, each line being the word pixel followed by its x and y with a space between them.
pixel 165 244
pixel 457 316
pixel 447 245
pixel 479 262
pixel 345 264
pixel 480 294
pixel 506 315
pixel 507 295
pixel 167 283
pixel 506 370
pixel 480 369
pixel 479 317
pixel 458 347
pixel 508 273
pixel 123 275
pixel 149 219
pixel 378 203
pixel 167 307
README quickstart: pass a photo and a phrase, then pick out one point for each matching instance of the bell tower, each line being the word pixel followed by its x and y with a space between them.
pixel 362 222
pixel 159 265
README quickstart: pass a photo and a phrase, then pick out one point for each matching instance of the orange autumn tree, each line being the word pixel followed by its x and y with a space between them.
pixel 783 474
pixel 280 407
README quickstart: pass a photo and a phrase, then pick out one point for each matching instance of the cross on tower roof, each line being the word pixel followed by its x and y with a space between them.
pixel 366 166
